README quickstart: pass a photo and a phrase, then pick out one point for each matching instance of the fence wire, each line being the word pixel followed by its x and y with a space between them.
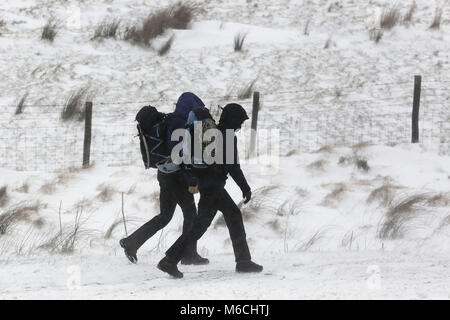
pixel 307 120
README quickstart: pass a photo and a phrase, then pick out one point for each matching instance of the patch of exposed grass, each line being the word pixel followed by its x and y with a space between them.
pixel 239 40
pixel 105 193
pixel 3 195
pixel 335 195
pixel 376 34
pixel 318 165
pixel 49 30
pixel 19 212
pixel 399 213
pixel 384 195
pixel 407 19
pixel 436 24
pixel 247 91
pixel 390 17
pixel 107 29
pixel 21 104
pixel 178 16
pixel 74 108
pixel 164 49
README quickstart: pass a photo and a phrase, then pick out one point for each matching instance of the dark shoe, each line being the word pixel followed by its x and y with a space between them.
pixel 248 266
pixel 130 253
pixel 195 259
pixel 169 267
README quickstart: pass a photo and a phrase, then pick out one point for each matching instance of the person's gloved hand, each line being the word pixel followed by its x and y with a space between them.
pixel 247 196
pixel 193 189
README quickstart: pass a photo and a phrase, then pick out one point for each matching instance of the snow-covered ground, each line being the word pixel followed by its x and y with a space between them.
pixel 323 224
pixel 322 227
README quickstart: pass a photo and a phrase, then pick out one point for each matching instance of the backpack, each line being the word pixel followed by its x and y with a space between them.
pixel 152 132
pixel 199 114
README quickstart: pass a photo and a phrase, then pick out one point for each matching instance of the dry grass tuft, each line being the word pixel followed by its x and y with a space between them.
pixel 247 91
pixel 324 149
pixel 309 243
pixel 16 213
pixel 239 40
pixel 21 104
pixel 400 213
pixel 74 108
pixel 376 34
pixel 3 195
pixel 335 195
pixel 178 16
pixel 107 29
pixel 105 193
pixel 164 49
pixel 24 188
pixel 384 194
pixel 49 30
pixel 436 24
pixel 390 17
pixel 318 165
pixel 407 19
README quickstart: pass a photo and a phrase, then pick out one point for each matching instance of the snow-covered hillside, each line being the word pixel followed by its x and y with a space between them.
pixel 349 209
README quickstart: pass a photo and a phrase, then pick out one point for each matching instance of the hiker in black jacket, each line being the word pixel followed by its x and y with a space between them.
pixel 213 197
pixel 175 188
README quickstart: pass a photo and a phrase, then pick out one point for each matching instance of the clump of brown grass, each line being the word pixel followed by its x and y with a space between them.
pixel 239 41
pixel 74 109
pixel 318 165
pixel 164 49
pixel 400 212
pixel 436 24
pixel 384 194
pixel 177 16
pixel 24 188
pixel 324 149
pixel 107 29
pixel 376 34
pixel 247 91
pixel 390 17
pixel 21 104
pixel 16 213
pixel 407 19
pixel 310 242
pixel 335 195
pixel 105 193
pixel 49 30
pixel 3 195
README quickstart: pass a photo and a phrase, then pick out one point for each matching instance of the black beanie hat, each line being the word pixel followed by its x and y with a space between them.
pixel 233 115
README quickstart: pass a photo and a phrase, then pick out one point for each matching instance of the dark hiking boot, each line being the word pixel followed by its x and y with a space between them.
pixel 130 253
pixel 248 266
pixel 169 267
pixel 195 259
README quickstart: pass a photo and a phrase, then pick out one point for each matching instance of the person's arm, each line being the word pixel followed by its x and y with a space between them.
pixel 238 176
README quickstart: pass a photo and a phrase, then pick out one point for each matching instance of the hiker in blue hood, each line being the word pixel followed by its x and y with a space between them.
pixel 176 188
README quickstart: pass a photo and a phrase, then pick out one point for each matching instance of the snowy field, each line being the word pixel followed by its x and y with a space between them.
pixel 350 209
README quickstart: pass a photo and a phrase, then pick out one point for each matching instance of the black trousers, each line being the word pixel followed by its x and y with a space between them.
pixel 213 197
pixel 173 191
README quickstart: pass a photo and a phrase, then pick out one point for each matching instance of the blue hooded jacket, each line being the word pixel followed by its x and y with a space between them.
pixel 185 104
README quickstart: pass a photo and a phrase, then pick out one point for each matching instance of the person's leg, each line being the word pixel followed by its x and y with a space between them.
pixel 185 200
pixel 235 224
pixel 206 213
pixel 167 202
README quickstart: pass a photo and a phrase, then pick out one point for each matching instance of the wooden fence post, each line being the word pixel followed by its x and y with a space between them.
pixel 87 134
pixel 255 110
pixel 415 111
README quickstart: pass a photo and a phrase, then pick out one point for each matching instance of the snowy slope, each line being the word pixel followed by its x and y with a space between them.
pixel 322 225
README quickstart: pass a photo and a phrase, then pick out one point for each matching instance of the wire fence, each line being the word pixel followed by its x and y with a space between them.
pixel 306 119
